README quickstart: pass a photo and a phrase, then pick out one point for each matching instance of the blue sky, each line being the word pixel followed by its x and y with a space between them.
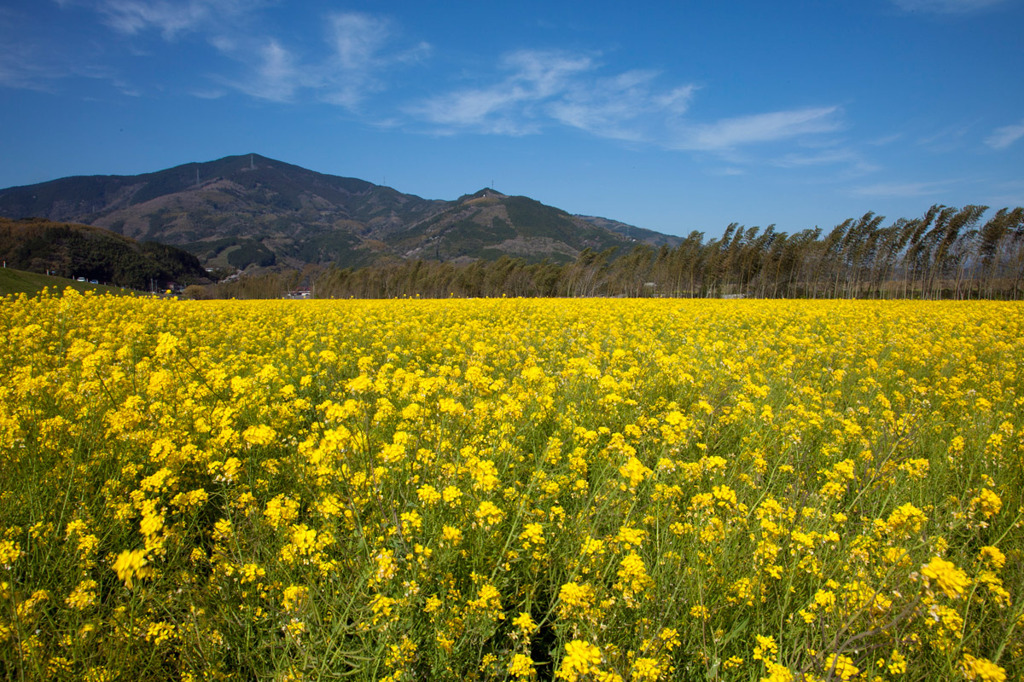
pixel 674 116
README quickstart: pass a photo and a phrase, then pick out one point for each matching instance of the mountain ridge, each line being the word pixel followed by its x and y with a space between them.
pixel 252 211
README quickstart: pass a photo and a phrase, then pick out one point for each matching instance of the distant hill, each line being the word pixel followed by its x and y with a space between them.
pixel 13 282
pixel 82 251
pixel 249 210
pixel 488 225
pixel 633 232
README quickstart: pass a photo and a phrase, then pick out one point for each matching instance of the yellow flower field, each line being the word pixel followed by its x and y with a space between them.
pixel 511 489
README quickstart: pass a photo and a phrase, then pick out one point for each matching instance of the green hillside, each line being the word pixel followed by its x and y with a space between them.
pixel 489 225
pixel 14 282
pixel 73 251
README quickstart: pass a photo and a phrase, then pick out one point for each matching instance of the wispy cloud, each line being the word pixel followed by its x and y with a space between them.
pixel 357 39
pixel 511 105
pixel 209 93
pixel 850 157
pixel 363 49
pixel 24 63
pixel 885 140
pixel 525 92
pixel 275 76
pixel 352 62
pixel 1007 194
pixel 539 88
pixel 1001 138
pixel 625 107
pixel 31 62
pixel 219 22
pixel 949 139
pixel 25 69
pixel 946 6
pixel 171 17
pixel 902 189
pixel 729 133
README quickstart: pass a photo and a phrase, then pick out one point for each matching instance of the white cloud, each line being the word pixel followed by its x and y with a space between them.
pixel 729 133
pixel 509 106
pixel 170 17
pixel 545 87
pixel 30 63
pixel 536 89
pixel 946 6
pixel 131 16
pixel 821 158
pixel 849 157
pixel 949 139
pixel 543 73
pixel 885 140
pixel 276 77
pixel 1001 138
pixel 357 53
pixel 360 55
pixel 486 109
pixel 25 62
pixel 24 68
pixel 622 107
pixel 357 38
pixel 901 189
pixel 354 59
pixel 225 44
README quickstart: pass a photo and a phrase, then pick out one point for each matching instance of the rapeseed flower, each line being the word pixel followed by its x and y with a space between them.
pixel 131 565
pixel 950 579
pixel 581 659
pixel 10 551
pixel 982 669
pixel 522 667
pixel 374 486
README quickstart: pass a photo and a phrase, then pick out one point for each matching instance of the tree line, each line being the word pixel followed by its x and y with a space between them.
pixel 946 253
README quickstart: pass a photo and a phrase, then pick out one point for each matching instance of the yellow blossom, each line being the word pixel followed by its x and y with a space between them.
pixel 841 666
pixel 982 669
pixel 521 667
pixel 10 551
pixel 581 659
pixel 130 565
pixel 950 579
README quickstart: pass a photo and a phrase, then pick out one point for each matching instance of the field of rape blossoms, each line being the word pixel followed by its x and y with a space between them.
pixel 511 489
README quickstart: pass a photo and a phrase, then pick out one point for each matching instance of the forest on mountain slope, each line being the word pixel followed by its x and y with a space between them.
pixel 947 253
pixel 69 250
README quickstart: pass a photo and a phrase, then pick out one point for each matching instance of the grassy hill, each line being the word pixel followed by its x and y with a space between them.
pixel 14 282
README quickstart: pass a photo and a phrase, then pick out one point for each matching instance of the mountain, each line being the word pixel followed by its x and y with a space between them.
pixel 633 232
pixel 488 224
pixel 249 210
pixel 93 253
